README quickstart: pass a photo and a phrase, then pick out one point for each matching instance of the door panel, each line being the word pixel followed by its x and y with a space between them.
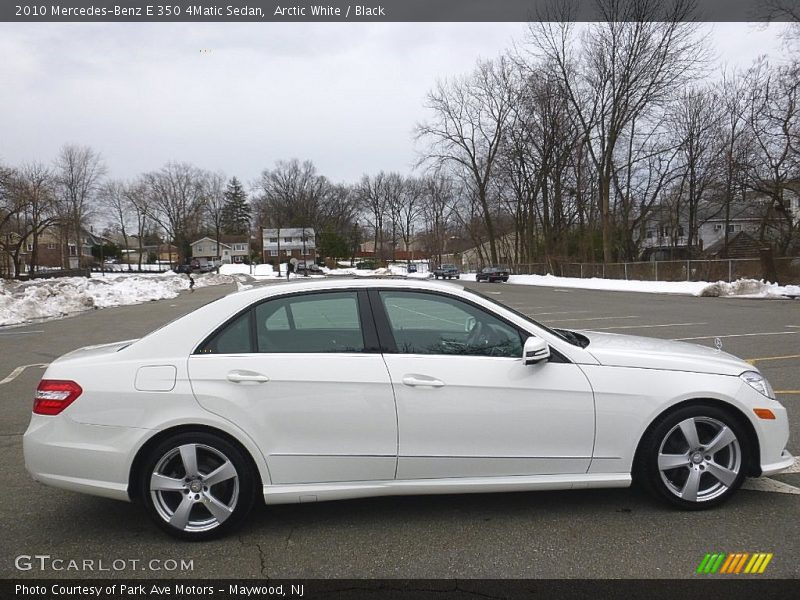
pixel 467 405
pixel 491 416
pixel 301 374
pixel 319 418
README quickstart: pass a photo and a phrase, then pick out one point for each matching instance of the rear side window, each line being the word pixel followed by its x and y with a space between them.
pixel 234 338
pixel 327 322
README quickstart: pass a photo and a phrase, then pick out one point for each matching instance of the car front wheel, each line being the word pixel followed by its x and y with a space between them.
pixel 197 486
pixel 694 458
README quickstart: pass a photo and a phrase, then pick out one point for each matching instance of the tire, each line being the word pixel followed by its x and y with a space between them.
pixel 694 458
pixel 182 505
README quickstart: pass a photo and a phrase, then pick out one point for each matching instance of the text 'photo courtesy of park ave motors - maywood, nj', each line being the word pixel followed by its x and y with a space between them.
pixel 404 299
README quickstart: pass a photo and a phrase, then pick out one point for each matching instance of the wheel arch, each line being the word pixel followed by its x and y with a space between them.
pixel 753 456
pixel 141 454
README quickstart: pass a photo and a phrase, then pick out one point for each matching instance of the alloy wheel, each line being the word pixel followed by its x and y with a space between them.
pixel 699 459
pixel 194 487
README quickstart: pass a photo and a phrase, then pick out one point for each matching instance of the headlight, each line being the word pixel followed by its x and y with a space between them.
pixel 758 382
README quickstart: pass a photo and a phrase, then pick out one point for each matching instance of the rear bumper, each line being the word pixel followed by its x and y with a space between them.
pixel 92 459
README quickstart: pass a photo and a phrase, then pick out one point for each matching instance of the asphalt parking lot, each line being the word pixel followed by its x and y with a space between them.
pixel 600 533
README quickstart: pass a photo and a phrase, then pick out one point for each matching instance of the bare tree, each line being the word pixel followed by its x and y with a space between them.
pixel 627 63
pixel 79 172
pixel 373 199
pixel 466 132
pixel 30 210
pixel 437 210
pixel 138 198
pixel 734 141
pixel 177 202
pixel 774 123
pixel 694 122
pixel 215 202
pixel 410 210
pixel 112 195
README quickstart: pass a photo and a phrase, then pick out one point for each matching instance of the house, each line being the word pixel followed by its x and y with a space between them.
pixel 665 237
pixel 230 249
pixel 740 245
pixel 292 242
pixel 50 249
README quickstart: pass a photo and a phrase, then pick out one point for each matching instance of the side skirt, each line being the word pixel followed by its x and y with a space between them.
pixel 320 492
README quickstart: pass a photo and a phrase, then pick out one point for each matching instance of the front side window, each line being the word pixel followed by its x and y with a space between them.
pixel 433 324
pixel 327 322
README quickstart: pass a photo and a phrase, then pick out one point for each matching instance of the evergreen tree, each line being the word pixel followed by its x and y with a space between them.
pixel 236 212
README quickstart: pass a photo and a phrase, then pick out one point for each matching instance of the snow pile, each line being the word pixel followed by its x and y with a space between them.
pixel 750 288
pixel 394 270
pixel 125 267
pixel 743 288
pixel 257 270
pixel 51 298
pixel 262 271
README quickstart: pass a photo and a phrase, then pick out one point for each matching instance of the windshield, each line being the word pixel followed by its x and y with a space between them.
pixel 576 339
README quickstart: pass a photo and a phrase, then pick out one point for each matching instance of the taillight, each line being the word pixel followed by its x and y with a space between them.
pixel 54 395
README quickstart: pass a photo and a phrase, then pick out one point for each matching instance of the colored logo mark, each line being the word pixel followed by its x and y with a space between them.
pixel 735 563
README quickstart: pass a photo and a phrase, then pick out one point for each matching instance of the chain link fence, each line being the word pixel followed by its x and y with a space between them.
pixel 787 270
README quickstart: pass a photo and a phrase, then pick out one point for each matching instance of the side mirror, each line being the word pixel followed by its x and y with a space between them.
pixel 535 350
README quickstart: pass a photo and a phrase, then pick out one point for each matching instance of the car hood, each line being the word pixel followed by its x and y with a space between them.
pixel 618 350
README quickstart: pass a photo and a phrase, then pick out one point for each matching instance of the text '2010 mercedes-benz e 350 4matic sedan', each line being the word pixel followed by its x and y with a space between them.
pixel 327 390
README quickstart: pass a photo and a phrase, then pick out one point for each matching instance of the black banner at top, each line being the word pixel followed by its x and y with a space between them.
pixel 394 10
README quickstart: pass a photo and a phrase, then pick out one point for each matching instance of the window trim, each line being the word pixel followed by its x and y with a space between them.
pixel 366 321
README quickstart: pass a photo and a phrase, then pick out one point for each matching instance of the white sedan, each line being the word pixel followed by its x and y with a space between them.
pixel 324 390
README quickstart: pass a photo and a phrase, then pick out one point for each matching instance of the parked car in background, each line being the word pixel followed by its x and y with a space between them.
pixel 447 271
pixel 415 387
pixel 492 274
pixel 366 265
pixel 411 268
pixel 302 266
pixel 203 265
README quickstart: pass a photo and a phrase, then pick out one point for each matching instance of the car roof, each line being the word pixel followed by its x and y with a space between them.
pixel 329 283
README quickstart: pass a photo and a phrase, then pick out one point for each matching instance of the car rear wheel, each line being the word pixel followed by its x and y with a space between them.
pixel 694 458
pixel 197 486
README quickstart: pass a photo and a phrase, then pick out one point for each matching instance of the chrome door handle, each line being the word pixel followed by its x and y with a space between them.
pixel 247 377
pixel 419 381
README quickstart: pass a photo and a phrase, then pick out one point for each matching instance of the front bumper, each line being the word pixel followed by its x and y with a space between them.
pixel 786 460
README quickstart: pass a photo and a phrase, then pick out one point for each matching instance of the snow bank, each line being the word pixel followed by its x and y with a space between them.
pixel 743 288
pixel 258 270
pixel 750 288
pixel 52 298
pixel 393 270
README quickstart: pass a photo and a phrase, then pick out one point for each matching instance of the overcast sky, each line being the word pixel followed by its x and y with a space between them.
pixel 346 95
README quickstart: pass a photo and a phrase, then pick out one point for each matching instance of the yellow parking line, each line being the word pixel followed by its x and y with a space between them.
pixel 788 392
pixel 753 361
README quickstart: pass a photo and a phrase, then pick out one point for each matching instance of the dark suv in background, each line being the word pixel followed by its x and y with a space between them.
pixel 492 274
pixel 447 272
